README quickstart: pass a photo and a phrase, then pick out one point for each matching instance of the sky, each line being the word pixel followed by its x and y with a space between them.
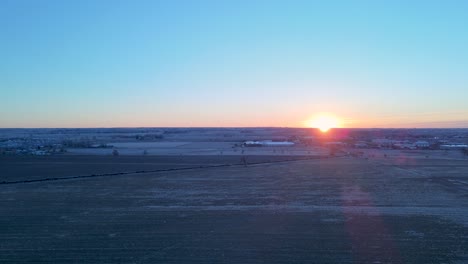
pixel 239 63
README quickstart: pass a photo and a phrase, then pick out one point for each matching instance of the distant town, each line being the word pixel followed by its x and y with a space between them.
pixel 226 141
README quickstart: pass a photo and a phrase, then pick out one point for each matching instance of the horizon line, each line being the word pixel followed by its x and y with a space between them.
pixel 228 127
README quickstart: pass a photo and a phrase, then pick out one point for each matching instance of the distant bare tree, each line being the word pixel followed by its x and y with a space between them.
pixel 465 151
pixel 115 152
pixel 244 161
pixel 145 152
pixel 332 151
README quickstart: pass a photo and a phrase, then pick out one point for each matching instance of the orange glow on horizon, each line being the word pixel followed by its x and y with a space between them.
pixel 324 122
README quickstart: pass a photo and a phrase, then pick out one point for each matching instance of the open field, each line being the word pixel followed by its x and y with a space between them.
pixel 335 210
pixel 30 168
pixel 195 148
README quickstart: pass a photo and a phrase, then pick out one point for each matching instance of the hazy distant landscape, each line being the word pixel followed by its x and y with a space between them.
pixel 227 141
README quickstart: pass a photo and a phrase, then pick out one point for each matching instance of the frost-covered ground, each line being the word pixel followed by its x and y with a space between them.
pixel 195 148
pixel 396 209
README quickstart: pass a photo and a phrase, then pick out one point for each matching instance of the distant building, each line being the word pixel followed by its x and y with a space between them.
pixel 421 144
pixel 39 153
pixel 384 143
pixel 335 144
pixel 361 144
pixel 252 144
pixel 268 143
pixel 454 146
pixel 404 146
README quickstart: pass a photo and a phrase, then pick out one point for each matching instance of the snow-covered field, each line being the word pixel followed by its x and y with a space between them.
pixel 194 148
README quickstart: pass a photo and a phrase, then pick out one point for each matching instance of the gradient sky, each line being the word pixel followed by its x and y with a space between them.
pixel 233 63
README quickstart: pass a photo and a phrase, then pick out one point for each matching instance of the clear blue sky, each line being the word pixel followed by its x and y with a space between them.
pixel 233 63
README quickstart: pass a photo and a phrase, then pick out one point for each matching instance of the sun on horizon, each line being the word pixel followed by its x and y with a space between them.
pixel 324 122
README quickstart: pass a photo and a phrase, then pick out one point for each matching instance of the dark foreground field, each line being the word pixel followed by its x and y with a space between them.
pixel 338 210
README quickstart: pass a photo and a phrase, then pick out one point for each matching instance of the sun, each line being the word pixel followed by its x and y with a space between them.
pixel 324 122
